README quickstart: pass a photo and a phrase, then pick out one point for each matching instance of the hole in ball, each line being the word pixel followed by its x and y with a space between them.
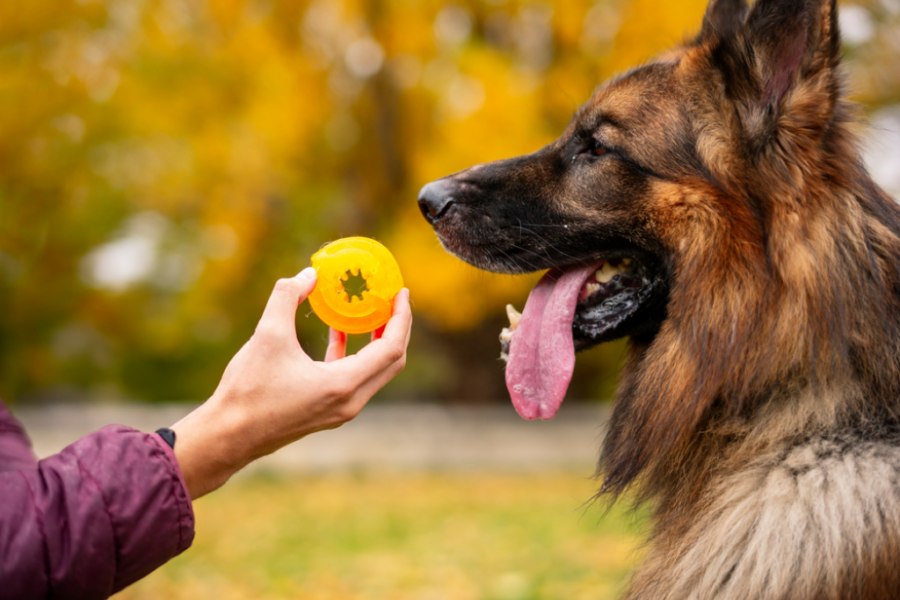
pixel 354 285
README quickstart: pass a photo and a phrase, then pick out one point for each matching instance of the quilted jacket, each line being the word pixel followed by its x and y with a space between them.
pixel 86 522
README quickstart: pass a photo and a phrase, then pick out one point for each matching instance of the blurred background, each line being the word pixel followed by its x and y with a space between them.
pixel 163 162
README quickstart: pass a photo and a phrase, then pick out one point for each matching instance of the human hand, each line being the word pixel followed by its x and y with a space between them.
pixel 272 393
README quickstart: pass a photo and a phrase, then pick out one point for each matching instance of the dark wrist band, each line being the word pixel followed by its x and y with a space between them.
pixel 168 435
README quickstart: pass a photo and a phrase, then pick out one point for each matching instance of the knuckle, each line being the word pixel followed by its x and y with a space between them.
pixel 286 286
pixel 347 413
pixel 340 389
pixel 397 354
pixel 265 333
pixel 332 424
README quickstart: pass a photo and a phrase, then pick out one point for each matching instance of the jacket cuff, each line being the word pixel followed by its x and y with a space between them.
pixel 145 495
pixel 179 495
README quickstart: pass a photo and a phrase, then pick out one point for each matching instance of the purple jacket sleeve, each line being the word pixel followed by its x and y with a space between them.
pixel 96 517
pixel 15 447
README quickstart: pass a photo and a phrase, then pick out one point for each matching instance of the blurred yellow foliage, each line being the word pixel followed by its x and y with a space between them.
pixel 649 28
pixel 162 162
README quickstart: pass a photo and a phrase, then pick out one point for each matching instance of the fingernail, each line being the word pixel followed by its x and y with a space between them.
pixel 307 273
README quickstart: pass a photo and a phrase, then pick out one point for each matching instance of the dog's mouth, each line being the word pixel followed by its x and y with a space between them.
pixel 572 309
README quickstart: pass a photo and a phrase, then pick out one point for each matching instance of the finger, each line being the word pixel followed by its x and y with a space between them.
pixel 408 310
pixel 374 366
pixel 396 332
pixel 371 387
pixel 337 345
pixel 401 318
pixel 367 389
pixel 389 349
pixel 376 335
pixel 277 321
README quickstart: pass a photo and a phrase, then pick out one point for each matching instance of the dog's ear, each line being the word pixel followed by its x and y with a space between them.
pixel 722 19
pixel 781 45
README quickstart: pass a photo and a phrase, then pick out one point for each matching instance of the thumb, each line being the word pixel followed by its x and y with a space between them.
pixel 278 318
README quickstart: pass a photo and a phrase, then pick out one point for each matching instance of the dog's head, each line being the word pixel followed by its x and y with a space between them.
pixel 711 205
pixel 654 210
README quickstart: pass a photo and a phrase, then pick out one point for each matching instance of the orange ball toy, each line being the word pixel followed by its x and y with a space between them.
pixel 357 281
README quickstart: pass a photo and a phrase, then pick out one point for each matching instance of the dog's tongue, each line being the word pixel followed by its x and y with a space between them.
pixel 542 353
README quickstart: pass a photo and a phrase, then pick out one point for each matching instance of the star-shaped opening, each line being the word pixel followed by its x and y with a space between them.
pixel 354 285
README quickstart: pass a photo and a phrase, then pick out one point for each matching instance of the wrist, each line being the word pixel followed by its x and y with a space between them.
pixel 210 446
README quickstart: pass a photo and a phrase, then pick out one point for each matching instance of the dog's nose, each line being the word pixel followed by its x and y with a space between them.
pixel 434 200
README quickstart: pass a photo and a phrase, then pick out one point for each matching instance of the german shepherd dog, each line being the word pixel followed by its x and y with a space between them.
pixel 713 206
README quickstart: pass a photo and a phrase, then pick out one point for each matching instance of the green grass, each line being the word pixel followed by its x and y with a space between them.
pixel 447 536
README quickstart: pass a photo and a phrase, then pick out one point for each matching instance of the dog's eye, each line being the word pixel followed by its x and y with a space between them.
pixel 591 147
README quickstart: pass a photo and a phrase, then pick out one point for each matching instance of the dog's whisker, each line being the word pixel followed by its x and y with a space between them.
pixel 550 245
pixel 523 249
pixel 524 260
pixel 511 260
pixel 563 225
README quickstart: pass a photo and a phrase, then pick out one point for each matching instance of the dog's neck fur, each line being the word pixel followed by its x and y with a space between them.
pixel 798 285
pixel 776 309
pixel 810 298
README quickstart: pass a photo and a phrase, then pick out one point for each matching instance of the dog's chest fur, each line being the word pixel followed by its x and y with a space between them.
pixel 813 519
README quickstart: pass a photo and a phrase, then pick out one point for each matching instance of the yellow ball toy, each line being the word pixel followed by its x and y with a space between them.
pixel 357 281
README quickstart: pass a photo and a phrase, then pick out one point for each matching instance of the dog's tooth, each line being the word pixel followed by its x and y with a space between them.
pixel 514 317
pixel 505 338
pixel 506 334
pixel 626 261
pixel 592 287
pixel 606 273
